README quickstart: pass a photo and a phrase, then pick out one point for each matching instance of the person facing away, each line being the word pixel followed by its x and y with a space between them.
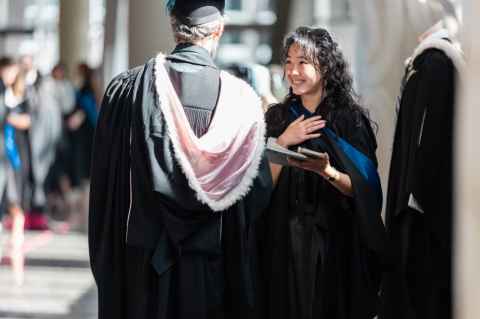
pixel 80 124
pixel 323 234
pixel 419 211
pixel 178 179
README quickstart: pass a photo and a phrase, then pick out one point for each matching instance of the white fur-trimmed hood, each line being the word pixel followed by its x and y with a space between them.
pixel 453 51
pixel 236 98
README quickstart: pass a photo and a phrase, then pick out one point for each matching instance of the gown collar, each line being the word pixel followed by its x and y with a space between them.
pixel 193 54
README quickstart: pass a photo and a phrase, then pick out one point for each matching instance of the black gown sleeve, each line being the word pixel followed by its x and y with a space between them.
pixel 432 186
pixel 110 195
pixel 276 120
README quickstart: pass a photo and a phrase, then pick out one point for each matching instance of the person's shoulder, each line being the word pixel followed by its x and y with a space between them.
pixel 275 109
pixel 127 74
pixel 352 121
pixel 126 79
pixel 348 117
pixel 276 119
pixel 434 58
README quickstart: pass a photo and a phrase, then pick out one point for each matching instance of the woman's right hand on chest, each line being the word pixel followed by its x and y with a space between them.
pixel 301 130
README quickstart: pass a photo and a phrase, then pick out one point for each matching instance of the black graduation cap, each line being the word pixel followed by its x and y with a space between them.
pixel 195 12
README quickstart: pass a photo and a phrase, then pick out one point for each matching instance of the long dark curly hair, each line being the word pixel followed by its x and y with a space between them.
pixel 323 52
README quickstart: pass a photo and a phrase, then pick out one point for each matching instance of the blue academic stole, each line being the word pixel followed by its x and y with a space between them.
pixel 362 163
pixel 88 104
pixel 11 147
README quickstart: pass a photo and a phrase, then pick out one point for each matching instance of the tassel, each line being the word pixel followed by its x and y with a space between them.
pixel 169 4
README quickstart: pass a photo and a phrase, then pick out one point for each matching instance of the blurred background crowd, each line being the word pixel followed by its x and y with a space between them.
pixel 56 57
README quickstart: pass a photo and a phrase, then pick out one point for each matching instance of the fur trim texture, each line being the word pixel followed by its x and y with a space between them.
pixel 451 50
pixel 236 95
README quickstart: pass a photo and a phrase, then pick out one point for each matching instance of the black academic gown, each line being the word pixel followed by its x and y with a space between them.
pixel 322 250
pixel 419 283
pixel 163 254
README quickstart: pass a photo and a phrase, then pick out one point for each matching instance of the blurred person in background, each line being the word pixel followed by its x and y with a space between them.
pixel 279 89
pixel 8 72
pixel 3 157
pixel 323 233
pixel 16 126
pixel 45 132
pixel 80 124
pixel 262 84
pixel 57 181
pixel 258 76
pixel 5 64
pixel 63 88
pixel 178 182
pixel 419 213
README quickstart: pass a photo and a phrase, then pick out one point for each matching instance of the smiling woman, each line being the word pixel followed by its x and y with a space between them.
pixel 303 77
pixel 323 232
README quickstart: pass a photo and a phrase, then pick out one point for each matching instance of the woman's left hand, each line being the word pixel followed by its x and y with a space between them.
pixel 321 165
pixel 317 165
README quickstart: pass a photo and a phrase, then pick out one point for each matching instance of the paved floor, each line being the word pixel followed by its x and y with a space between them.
pixel 58 283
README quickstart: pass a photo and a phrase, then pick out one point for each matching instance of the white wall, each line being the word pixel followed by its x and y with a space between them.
pixel 149 31
pixel 467 246
pixel 73 31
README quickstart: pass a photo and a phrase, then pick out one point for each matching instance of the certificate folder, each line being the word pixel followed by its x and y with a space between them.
pixel 279 155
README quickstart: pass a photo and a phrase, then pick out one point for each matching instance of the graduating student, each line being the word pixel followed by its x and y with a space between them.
pixel 16 124
pixel 5 63
pixel 420 191
pixel 324 237
pixel 177 182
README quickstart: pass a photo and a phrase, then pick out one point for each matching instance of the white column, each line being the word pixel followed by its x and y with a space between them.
pixel 386 36
pixel 15 12
pixel 14 18
pixel 302 13
pixel 467 261
pixel 323 11
pixel 3 13
pixel 149 31
pixel 3 23
pixel 73 32
pixel 115 53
